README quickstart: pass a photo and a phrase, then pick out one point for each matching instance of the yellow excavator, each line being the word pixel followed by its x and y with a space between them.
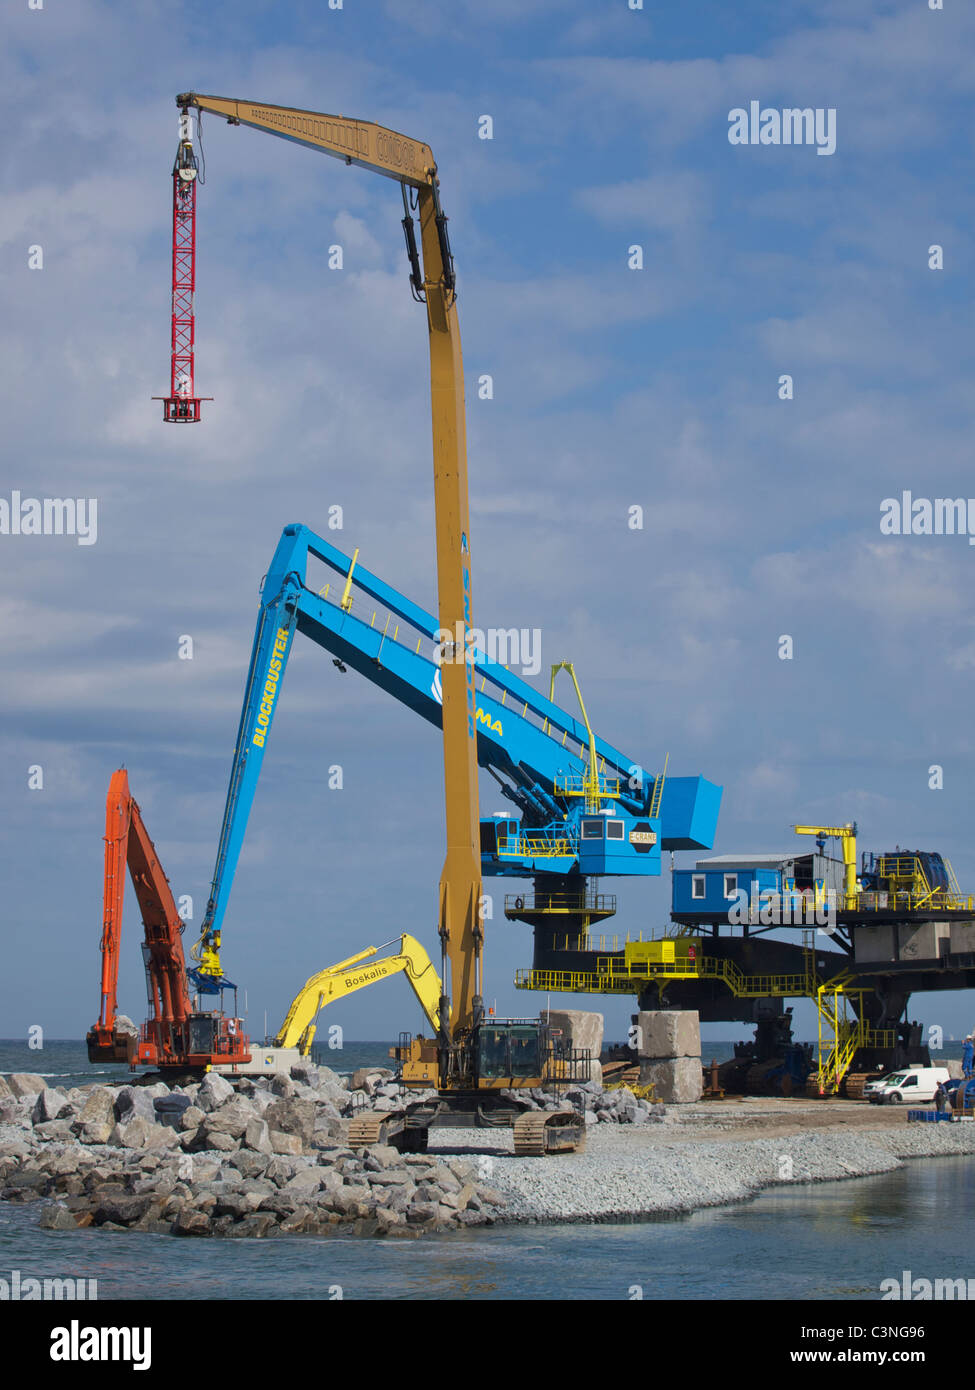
pixel 478 1064
pixel 344 978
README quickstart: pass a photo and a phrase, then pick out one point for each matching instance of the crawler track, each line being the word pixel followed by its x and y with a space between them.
pixel 542 1132
pixel 369 1127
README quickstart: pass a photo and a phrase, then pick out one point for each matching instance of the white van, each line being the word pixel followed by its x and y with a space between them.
pixel 912 1084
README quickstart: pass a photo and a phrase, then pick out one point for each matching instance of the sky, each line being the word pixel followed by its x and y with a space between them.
pixel 613 388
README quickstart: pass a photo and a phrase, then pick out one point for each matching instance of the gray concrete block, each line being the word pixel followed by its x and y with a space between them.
pixel 580 1029
pixel 679 1081
pixel 667 1033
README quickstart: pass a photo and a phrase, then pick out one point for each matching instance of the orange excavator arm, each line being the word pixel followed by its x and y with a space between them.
pixel 128 842
pixel 102 1037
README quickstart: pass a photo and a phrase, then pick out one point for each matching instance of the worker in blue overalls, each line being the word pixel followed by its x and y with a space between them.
pixel 968 1057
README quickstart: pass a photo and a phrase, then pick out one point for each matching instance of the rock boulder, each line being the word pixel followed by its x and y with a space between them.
pixel 25 1083
pixel 214 1091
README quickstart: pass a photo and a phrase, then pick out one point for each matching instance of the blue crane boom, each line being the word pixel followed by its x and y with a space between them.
pixel 533 748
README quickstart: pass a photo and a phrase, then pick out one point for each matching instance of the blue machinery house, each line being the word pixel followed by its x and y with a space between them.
pixel 740 884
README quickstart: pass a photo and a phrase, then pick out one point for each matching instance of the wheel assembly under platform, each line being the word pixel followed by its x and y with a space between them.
pixel 854 1083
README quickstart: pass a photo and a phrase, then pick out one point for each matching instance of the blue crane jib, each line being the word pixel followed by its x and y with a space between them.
pixel 536 751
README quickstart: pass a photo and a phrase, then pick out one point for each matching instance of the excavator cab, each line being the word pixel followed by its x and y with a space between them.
pixel 513 1049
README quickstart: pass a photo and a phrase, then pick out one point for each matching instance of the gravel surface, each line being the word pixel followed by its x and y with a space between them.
pixel 630 1173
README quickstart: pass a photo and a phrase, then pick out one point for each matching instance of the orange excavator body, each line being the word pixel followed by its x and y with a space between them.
pixel 176 1037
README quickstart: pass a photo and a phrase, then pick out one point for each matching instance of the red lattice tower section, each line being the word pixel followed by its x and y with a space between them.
pixel 182 405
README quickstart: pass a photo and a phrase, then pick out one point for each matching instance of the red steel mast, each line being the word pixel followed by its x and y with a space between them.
pixel 182 405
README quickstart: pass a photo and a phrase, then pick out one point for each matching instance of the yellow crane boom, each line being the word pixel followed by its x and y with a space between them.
pixel 474 1061
pixel 346 976
pixel 412 165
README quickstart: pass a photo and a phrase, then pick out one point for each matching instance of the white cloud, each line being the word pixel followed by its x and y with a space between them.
pixel 674 202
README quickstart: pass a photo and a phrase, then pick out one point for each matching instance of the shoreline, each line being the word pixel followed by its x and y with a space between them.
pixel 272 1158
pixel 686 1164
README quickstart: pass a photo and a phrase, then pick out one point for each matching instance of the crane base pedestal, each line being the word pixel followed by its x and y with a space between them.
pixel 182 410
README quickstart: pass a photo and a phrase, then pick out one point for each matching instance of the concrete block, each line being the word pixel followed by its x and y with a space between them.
pixel 921 942
pixel 580 1029
pixel 874 943
pixel 962 936
pixel 665 1033
pixel 677 1082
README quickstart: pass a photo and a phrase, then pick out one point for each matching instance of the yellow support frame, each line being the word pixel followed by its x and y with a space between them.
pixel 839 1036
pixel 591 785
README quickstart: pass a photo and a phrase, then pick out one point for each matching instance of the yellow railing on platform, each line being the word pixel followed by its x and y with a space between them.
pixel 578 784
pixel 840 1036
pixel 533 847
pixel 572 982
pixel 562 903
